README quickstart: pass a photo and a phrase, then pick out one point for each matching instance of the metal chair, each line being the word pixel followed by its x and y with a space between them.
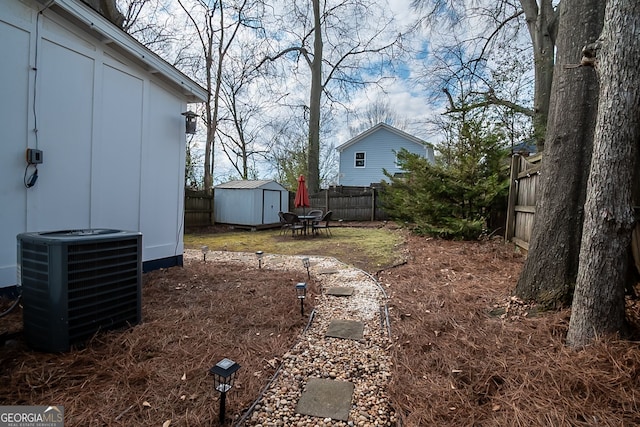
pixel 323 224
pixel 317 213
pixel 284 225
pixel 293 223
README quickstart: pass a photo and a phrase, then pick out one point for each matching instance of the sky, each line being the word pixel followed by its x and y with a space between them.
pixel 410 101
pixel 407 99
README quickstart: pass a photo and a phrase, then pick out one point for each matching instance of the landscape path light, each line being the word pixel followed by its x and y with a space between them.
pixel 224 373
pixel 259 255
pixel 301 292
pixel 205 250
pixel 306 264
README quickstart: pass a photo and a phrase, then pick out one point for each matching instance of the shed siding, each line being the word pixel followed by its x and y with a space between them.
pixel 235 206
pixel 249 203
pixel 380 148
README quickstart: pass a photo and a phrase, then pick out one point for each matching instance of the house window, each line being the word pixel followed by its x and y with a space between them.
pixel 360 158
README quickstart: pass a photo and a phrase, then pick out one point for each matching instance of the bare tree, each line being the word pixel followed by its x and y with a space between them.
pixel 289 150
pixel 243 127
pixel 216 24
pixel 598 304
pixel 378 111
pixel 498 24
pixel 335 39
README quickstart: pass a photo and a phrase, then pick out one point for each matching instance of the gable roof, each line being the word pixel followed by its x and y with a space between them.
pixel 378 127
pixel 247 184
pixel 86 18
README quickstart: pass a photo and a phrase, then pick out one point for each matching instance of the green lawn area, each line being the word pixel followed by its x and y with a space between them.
pixel 368 248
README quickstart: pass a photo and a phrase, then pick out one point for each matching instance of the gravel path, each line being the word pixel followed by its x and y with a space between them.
pixel 366 364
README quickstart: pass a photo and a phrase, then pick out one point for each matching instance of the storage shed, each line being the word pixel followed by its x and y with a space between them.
pixel 253 204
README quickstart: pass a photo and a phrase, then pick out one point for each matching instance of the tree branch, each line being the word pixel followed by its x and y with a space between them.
pixel 489 99
pixel 300 49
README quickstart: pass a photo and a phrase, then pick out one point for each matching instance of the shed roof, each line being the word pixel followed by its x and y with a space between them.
pixel 248 184
pixel 378 127
pixel 88 19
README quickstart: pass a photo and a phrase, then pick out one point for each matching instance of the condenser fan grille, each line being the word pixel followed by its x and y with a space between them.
pixel 75 285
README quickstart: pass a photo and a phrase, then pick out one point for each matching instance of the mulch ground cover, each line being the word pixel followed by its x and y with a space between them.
pixel 465 352
pixel 157 371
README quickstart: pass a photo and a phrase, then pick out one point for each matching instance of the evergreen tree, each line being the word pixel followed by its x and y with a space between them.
pixel 454 197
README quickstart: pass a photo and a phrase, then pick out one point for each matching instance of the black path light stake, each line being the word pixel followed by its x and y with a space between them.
pixel 301 292
pixel 205 251
pixel 223 376
pixel 306 264
pixel 259 255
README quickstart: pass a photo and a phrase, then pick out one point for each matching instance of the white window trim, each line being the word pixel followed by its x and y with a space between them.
pixel 364 159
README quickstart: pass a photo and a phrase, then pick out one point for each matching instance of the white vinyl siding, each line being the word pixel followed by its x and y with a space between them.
pixel 360 159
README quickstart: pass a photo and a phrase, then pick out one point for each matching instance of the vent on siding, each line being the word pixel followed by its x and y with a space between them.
pixel 76 283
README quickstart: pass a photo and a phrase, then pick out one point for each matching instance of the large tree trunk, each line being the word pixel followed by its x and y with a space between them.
pixel 540 23
pixel 598 304
pixel 549 273
pixel 313 154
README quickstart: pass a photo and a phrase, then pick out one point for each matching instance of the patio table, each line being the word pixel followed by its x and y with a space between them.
pixel 307 220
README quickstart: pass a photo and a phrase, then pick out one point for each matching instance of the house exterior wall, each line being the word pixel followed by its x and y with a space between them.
pixel 379 148
pixel 112 138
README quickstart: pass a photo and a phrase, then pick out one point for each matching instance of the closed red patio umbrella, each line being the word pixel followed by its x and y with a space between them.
pixel 302 195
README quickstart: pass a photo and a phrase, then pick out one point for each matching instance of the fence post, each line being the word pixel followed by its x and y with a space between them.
pixel 513 197
pixel 212 219
pixel 373 203
pixel 326 199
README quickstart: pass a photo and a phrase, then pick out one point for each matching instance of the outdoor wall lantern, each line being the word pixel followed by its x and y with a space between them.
pixel 190 122
pixel 223 376
pixel 306 264
pixel 301 292
pixel 205 251
pixel 259 256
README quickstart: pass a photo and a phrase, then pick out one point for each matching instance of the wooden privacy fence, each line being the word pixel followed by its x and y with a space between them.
pixel 525 175
pixel 346 203
pixel 198 209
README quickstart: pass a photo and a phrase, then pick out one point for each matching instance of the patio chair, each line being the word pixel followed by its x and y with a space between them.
pixel 323 224
pixel 284 225
pixel 293 223
pixel 315 212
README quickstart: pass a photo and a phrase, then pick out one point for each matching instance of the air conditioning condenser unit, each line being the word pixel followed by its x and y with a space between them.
pixel 78 282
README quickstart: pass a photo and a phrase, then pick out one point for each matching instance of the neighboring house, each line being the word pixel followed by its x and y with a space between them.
pixel 525 148
pixel 363 157
pixel 105 114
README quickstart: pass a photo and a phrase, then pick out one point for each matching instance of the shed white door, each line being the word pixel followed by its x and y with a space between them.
pixel 271 206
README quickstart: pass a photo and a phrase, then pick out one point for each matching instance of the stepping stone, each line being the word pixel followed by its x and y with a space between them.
pixel 326 399
pixel 340 291
pixel 347 329
pixel 328 271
